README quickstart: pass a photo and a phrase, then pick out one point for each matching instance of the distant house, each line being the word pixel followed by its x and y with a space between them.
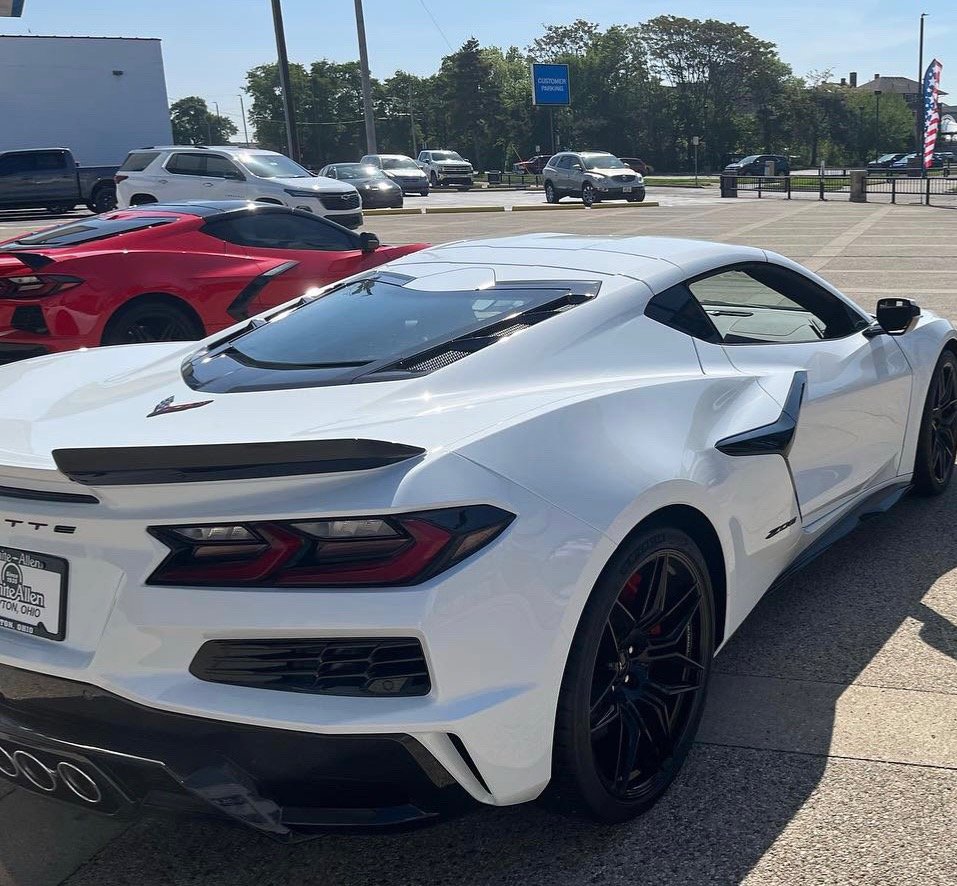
pixel 910 90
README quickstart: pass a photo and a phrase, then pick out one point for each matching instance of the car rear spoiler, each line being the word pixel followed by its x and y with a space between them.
pixel 32 260
pixel 151 465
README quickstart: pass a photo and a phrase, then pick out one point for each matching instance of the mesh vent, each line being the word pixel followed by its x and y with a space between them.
pixel 356 667
pixel 430 364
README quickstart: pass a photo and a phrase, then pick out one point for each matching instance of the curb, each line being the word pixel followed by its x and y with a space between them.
pixel 552 207
pixel 392 211
pixel 433 210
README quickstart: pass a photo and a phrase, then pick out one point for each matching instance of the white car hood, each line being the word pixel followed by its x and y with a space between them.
pixel 320 184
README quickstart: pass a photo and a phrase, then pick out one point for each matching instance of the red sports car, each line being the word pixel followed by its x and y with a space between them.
pixel 167 273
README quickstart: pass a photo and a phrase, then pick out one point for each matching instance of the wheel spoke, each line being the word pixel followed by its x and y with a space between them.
pixel 627 746
pixel 657 588
pixel 685 608
pixel 607 718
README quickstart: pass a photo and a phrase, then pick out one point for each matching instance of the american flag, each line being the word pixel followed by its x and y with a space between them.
pixel 931 110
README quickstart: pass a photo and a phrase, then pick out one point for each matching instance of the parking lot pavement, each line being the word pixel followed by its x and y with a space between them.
pixel 828 753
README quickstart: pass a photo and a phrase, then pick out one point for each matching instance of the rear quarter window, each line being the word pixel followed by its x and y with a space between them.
pixel 137 161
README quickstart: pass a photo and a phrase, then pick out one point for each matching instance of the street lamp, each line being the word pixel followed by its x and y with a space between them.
pixel 919 103
pixel 877 126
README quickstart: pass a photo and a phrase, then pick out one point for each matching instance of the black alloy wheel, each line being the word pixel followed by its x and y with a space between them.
pixel 937 441
pixel 151 321
pixel 636 680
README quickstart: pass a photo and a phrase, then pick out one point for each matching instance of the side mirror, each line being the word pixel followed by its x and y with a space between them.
pixel 578 167
pixel 368 242
pixel 897 315
pixel 235 176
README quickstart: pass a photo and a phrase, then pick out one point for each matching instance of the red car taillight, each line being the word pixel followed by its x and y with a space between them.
pixel 352 551
pixel 119 178
pixel 36 285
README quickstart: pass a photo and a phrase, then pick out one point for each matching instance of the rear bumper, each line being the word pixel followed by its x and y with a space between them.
pixel 88 747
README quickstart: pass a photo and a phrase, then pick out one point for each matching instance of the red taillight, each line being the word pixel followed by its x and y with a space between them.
pixel 119 178
pixel 36 285
pixel 339 552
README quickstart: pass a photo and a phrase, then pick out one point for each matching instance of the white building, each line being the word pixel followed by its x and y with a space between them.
pixel 98 96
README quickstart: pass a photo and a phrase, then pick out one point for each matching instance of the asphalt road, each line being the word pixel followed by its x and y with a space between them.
pixel 828 754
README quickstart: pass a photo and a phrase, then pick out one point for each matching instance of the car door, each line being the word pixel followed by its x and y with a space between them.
pixel 54 177
pixel 318 252
pixel 186 179
pixel 223 179
pixel 16 176
pixel 562 170
pixel 775 322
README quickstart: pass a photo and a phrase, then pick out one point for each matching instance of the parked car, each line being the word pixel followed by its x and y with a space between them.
pixel 175 174
pixel 593 176
pixel 757 164
pixel 446 168
pixel 912 164
pixel 375 188
pixel 885 161
pixel 404 171
pixel 51 179
pixel 464 531
pixel 167 273
pixel 532 166
pixel 638 165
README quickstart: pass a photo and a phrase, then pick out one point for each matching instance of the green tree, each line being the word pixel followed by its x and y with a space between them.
pixel 193 124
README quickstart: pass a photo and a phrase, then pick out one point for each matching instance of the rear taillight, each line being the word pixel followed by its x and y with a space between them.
pixel 36 285
pixel 119 178
pixel 351 551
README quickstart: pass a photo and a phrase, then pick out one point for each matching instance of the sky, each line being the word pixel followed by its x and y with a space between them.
pixel 208 45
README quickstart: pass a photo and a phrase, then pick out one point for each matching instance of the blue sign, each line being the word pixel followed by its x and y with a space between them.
pixel 550 85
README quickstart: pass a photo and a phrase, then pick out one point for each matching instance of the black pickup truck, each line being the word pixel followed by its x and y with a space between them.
pixel 49 178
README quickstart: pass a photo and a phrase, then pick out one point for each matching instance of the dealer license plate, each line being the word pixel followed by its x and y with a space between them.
pixel 627 189
pixel 33 593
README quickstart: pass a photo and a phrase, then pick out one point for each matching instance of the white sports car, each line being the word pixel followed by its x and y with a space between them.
pixel 469 527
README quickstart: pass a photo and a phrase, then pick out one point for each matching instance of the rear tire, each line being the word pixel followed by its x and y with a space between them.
pixel 103 200
pixel 636 679
pixel 152 320
pixel 551 195
pixel 142 199
pixel 937 439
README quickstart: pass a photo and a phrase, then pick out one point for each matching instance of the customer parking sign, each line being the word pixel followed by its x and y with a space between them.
pixel 550 85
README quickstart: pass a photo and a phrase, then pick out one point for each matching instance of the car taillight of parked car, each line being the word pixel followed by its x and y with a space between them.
pixel 36 285
pixel 382 551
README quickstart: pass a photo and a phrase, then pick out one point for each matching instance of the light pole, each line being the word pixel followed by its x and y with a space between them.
pixel 366 81
pixel 877 126
pixel 919 104
pixel 292 143
pixel 242 110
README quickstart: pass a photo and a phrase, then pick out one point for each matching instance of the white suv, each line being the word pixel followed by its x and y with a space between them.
pixel 446 168
pixel 176 174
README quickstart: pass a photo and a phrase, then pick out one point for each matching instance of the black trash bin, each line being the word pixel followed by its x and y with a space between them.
pixel 494 176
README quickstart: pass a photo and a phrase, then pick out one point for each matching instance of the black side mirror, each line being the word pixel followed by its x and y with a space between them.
pixel 896 315
pixel 368 242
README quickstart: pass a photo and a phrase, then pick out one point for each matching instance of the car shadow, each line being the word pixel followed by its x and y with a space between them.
pixel 830 624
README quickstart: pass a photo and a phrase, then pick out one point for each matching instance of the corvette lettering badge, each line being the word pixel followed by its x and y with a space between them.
pixel 167 406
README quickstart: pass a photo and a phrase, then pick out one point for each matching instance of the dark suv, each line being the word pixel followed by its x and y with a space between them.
pixel 756 164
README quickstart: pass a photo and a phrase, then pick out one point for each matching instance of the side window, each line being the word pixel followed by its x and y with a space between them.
pixel 186 164
pixel 678 308
pixel 564 162
pixel 137 161
pixel 332 173
pixel 423 157
pixel 48 161
pixel 766 303
pixel 280 230
pixel 220 167
pixel 17 164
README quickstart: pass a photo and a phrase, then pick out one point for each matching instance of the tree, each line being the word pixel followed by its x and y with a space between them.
pixel 193 124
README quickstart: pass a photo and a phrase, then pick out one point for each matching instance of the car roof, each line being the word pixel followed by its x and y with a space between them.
pixel 660 262
pixel 204 209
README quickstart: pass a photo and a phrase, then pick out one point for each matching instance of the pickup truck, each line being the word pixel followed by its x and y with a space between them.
pixel 51 179
pixel 446 168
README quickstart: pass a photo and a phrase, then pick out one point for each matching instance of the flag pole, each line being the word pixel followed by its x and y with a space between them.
pixel 921 133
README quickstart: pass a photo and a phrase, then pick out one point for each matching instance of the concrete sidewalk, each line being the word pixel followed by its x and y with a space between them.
pixel 828 754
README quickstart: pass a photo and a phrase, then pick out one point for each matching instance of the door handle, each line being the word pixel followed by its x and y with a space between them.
pixel 163 181
pixel 207 184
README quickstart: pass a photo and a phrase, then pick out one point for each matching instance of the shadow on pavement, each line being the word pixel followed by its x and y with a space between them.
pixel 832 623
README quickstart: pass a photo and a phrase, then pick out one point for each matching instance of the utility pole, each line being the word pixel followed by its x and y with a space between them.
pixel 877 126
pixel 415 151
pixel 242 110
pixel 920 99
pixel 289 112
pixel 366 81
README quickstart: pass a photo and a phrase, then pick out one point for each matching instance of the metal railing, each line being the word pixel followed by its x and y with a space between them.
pixel 937 189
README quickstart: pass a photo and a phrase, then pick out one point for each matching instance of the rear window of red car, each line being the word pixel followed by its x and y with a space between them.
pixel 97 228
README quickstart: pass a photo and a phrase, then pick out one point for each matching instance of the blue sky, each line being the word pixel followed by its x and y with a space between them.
pixel 208 45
